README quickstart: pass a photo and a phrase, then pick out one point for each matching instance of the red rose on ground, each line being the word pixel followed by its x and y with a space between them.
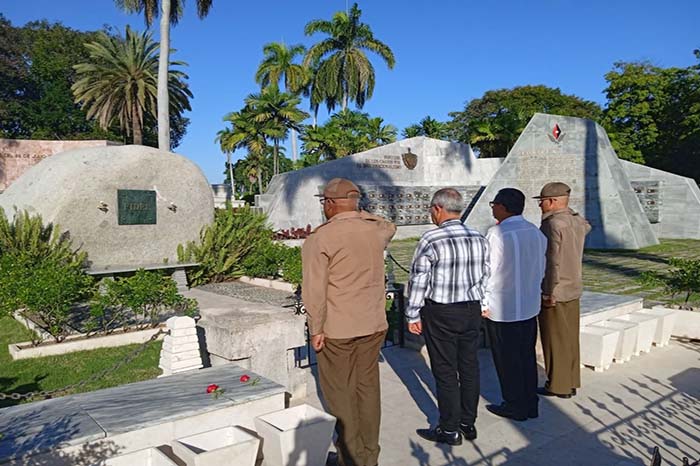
pixel 212 388
pixel 245 378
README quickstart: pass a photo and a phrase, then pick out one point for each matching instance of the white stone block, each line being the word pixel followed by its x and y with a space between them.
pixel 180 366
pixel 598 346
pixel 183 332
pixel 169 347
pixel 181 340
pixel 647 329
pixel 300 436
pixel 146 457
pixel 230 446
pixel 687 324
pixel 180 322
pixel 664 328
pixel 628 338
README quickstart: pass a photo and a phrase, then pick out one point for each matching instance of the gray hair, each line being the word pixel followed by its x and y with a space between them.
pixel 449 199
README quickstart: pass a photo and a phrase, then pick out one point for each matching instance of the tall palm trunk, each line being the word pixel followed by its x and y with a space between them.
pixel 260 181
pixel 294 145
pixel 275 161
pixel 164 60
pixel 230 175
pixel 136 126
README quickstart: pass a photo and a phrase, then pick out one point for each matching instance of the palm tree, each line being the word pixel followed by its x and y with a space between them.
pixel 222 137
pixel 429 127
pixel 345 73
pixel 380 134
pixel 277 112
pixel 245 133
pixel 120 82
pixel 278 64
pixel 412 131
pixel 170 13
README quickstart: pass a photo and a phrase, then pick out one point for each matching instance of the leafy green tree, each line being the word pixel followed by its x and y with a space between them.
pixel 170 13
pixel 428 127
pixel 653 115
pixel 120 82
pixel 278 113
pixel 279 64
pixel 35 78
pixel 493 122
pixel 344 72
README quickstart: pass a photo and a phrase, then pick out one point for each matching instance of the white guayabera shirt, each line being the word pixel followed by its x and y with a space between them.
pixel 513 292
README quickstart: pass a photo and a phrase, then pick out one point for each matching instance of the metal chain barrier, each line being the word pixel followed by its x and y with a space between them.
pixel 45 394
pixel 388 254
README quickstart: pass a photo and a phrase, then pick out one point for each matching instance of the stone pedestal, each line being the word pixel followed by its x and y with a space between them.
pixel 256 336
pixel 180 351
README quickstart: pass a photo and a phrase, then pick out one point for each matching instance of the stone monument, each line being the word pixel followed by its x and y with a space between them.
pixel 397 181
pixel 126 206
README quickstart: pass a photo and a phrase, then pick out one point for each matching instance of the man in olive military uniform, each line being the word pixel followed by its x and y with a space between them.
pixel 343 292
pixel 562 286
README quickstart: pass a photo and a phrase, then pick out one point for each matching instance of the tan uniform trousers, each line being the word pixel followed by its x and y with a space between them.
pixel 559 328
pixel 349 377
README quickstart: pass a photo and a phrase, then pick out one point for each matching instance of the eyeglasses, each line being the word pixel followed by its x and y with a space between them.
pixel 322 200
pixel 491 204
pixel 540 201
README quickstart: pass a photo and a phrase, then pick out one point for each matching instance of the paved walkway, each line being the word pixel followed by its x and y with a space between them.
pixel 616 419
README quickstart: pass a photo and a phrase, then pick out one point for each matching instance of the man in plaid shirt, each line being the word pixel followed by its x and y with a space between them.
pixel 445 299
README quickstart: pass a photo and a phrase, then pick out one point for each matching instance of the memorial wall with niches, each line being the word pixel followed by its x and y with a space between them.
pixel 649 195
pixel 406 205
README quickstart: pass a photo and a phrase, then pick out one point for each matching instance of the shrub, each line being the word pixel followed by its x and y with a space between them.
pixel 49 291
pixel 682 277
pixel 291 266
pixel 140 300
pixel 27 235
pixel 266 260
pixel 224 244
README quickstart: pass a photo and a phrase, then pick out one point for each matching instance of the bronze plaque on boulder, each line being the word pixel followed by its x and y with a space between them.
pixel 136 207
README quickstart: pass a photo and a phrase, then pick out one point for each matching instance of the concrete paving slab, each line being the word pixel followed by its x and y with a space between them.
pixel 616 418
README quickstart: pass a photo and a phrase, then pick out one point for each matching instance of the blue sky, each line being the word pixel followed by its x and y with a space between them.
pixel 447 51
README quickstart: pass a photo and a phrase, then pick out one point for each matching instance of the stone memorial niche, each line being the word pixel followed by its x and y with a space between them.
pixel 649 195
pixel 126 206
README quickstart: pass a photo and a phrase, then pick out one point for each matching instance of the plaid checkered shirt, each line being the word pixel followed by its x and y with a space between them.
pixel 450 265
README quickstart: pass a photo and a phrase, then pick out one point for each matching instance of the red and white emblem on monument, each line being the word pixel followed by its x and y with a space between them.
pixel 557 135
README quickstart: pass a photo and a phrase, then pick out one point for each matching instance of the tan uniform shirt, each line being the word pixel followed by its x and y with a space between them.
pixel 343 274
pixel 566 232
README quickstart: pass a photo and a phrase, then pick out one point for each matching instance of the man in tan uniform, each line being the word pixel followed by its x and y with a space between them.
pixel 561 290
pixel 343 292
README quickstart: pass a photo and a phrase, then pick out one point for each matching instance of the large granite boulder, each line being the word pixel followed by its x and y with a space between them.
pixel 126 206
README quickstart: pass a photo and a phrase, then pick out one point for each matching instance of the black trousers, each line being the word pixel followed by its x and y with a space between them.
pixel 451 334
pixel 513 349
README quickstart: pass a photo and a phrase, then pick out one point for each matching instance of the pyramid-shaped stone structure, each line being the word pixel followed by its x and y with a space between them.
pixel 577 152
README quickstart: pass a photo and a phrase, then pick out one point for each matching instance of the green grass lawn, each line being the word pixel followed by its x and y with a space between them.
pixel 606 271
pixel 52 372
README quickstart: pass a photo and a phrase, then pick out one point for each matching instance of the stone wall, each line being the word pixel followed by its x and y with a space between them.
pixel 18 155
pixel 677 200
pixel 395 180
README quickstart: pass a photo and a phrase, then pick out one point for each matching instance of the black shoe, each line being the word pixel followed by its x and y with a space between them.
pixel 504 410
pixel 440 436
pixel 573 392
pixel 468 431
pixel 533 413
pixel 545 392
